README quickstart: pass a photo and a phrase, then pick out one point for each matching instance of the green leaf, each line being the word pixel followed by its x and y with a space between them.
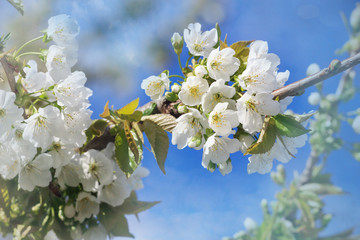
pixel 241 50
pixel 217 27
pixel 134 117
pixel 131 205
pixel 122 154
pixel 266 139
pixel 149 110
pixel 159 142
pixel 165 121
pixel 306 212
pixel 114 221
pixel 4 198
pixel 138 131
pixel 106 112
pixel 131 142
pixel 321 188
pixel 344 235
pixel 288 126
pixel 18 5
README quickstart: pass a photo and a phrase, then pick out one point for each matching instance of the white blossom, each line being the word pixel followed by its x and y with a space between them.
pixel 200 43
pixel 281 79
pixel 97 170
pixel 36 173
pixel 251 107
pixel 188 126
pixel 50 235
pixel 86 205
pixel 222 64
pixel 117 191
pixel 261 163
pixel 155 86
pixel 34 80
pixel 192 90
pixel 135 180
pixel 69 174
pixel 63 30
pixel 71 91
pixel 218 149
pixel 76 122
pixel 10 163
pixel 225 168
pixel 61 153
pixel 59 62
pixel 217 93
pixel 223 120
pixel 42 127
pixel 9 112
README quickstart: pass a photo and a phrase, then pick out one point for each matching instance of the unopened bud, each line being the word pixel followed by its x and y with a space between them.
pixel 178 42
pixel 334 64
pixel 196 141
pixel 355 18
pixel 312 69
pixel 171 96
pixel 182 109
pixel 314 98
pixel 69 210
pixel 200 71
pixel 356 124
pixel 175 88
pixel 250 224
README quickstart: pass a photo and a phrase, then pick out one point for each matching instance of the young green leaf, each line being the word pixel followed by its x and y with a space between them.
pixel 149 110
pixel 106 112
pixel 165 121
pixel 122 154
pixel 18 5
pixel 266 139
pixel 131 205
pixel 131 141
pixel 129 108
pixel 159 142
pixel 134 117
pixel 114 221
pixel 288 126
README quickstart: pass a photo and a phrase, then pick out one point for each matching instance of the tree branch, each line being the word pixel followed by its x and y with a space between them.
pixel 335 67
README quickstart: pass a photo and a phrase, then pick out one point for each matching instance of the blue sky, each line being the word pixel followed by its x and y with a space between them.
pixel 197 204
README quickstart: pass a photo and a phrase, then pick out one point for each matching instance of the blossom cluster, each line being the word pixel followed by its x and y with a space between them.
pixel 43 126
pixel 225 95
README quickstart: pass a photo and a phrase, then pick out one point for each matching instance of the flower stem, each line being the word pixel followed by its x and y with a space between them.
pixel 27 43
pixel 176 76
pixel 29 53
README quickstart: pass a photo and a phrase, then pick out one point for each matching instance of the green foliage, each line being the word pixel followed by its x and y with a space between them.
pixel 266 139
pixel 18 5
pixel 159 142
pixel 165 121
pixel 288 126
pixel 3 40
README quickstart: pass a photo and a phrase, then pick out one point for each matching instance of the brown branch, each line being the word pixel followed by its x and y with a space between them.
pixel 9 71
pixel 335 67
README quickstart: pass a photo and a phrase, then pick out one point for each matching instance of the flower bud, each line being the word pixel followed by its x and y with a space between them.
pixel 312 69
pixel 182 109
pixel 175 88
pixel 200 71
pixel 355 18
pixel 69 210
pixel 171 96
pixel 196 140
pixel 314 98
pixel 178 42
pixel 250 224
pixel 356 124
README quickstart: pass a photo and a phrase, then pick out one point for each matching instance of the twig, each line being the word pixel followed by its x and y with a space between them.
pixel 297 87
pixel 9 71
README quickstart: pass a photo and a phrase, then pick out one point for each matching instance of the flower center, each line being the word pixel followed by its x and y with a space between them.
pixel 217 119
pixel 251 105
pixel 194 91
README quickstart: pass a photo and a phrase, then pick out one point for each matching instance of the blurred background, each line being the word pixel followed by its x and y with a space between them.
pixel 123 42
